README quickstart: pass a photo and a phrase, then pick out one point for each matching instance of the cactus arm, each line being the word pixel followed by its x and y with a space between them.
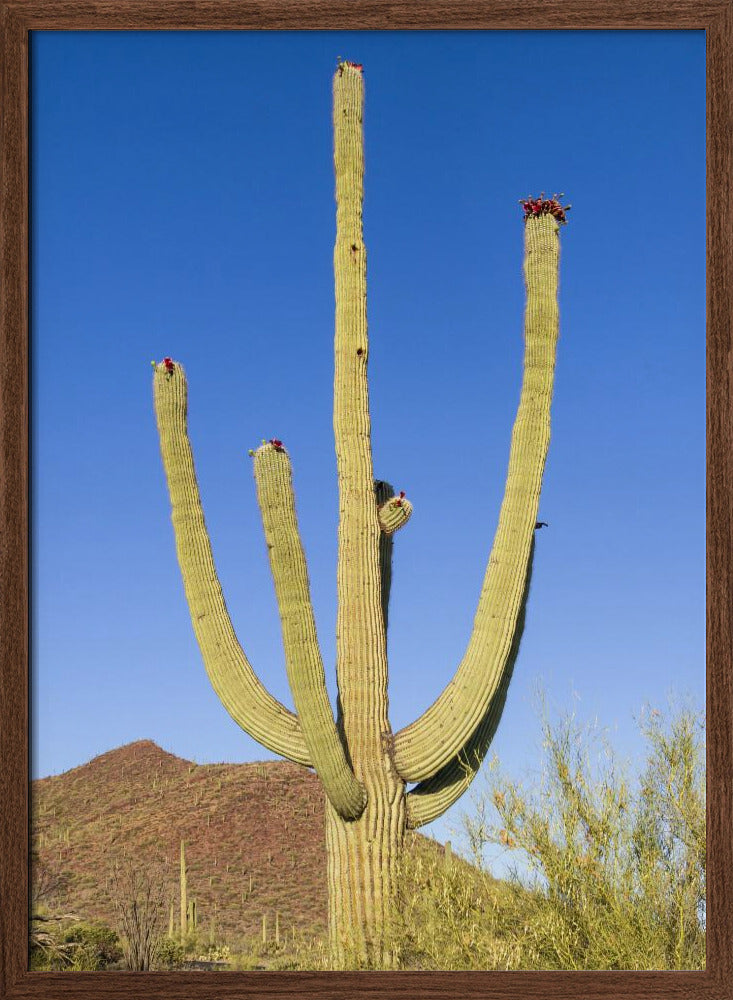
pixel 428 744
pixel 245 698
pixel 432 797
pixel 275 495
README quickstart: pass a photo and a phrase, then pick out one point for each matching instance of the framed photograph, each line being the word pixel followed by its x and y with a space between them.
pixel 478 740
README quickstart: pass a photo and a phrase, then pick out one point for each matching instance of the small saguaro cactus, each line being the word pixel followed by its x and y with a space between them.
pixel 184 892
pixel 365 768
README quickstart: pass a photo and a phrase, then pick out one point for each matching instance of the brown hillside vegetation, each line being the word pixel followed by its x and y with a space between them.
pixel 254 835
pixel 258 825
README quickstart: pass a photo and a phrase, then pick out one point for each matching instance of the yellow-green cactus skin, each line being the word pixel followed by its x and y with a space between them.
pixel 273 476
pixel 365 767
pixel 394 514
pixel 229 670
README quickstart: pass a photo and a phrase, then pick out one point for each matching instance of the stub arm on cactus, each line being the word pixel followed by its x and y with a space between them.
pixel 433 740
pixel 275 495
pixel 243 695
pixel 431 798
pixel 393 513
pixel 391 517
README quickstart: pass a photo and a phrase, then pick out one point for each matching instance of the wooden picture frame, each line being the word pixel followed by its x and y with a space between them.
pixel 19 17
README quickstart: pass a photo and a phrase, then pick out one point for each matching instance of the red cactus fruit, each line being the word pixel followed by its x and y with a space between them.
pixel 534 207
pixel 276 444
pixel 169 365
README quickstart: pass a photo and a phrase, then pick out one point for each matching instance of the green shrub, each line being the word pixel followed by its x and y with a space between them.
pixel 78 947
pixel 613 871
pixel 170 954
pixel 98 946
pixel 607 873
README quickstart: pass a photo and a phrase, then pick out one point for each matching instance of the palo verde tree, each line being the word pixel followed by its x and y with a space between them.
pixel 365 768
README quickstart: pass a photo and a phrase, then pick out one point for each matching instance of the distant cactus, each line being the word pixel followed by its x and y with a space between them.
pixel 365 767
pixel 184 893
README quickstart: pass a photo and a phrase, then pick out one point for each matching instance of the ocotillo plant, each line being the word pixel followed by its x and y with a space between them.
pixel 365 767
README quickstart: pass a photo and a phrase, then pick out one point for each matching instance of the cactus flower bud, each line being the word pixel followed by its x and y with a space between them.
pixel 534 207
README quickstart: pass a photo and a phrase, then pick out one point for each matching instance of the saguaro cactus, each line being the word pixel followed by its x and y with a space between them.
pixel 365 767
pixel 184 893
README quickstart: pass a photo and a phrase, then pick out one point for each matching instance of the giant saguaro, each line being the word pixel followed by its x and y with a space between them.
pixel 365 767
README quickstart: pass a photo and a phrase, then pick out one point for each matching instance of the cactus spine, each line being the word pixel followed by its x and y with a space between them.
pixel 364 767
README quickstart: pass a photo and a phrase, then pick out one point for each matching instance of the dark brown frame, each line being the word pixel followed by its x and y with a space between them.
pixel 19 17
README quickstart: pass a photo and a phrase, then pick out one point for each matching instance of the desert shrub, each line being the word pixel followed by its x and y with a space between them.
pixel 47 953
pixel 607 872
pixel 310 951
pixel 170 954
pixel 451 913
pixel 246 960
pixel 77 947
pixel 215 952
pixel 612 870
pixel 98 946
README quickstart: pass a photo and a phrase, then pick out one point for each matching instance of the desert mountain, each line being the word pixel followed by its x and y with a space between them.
pixel 254 836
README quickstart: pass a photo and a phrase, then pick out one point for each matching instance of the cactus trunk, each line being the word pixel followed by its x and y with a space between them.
pixel 363 766
pixel 363 858
pixel 361 876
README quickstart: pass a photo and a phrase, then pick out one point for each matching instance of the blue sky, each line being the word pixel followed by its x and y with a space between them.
pixel 182 194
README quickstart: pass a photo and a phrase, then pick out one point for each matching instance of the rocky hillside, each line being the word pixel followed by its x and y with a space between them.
pixel 254 836
pixel 253 833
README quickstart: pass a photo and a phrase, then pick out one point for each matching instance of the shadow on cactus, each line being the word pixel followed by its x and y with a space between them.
pixel 364 766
